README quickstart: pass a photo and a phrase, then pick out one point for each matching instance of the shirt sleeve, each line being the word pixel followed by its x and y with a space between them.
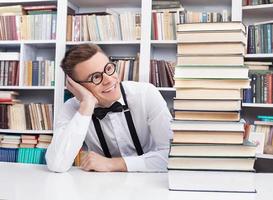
pixel 69 134
pixel 159 122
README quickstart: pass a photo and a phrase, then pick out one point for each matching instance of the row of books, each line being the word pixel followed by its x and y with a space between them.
pixel 127 67
pixel 162 73
pixel 23 155
pixel 164 24
pixel 261 87
pixel 25 141
pixel 39 73
pixel 34 116
pixel 208 131
pixel 39 26
pixel 28 23
pixel 256 2
pixel 204 17
pixel 116 26
pixel 260 38
pixel 9 73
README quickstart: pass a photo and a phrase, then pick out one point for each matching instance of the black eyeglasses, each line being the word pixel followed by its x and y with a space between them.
pixel 97 77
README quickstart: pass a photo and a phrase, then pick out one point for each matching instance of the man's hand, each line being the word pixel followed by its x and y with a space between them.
pixel 87 99
pixel 96 162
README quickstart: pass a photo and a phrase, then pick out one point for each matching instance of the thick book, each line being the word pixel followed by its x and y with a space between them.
pixel 212 48
pixel 207 105
pixel 212 163
pixel 213 150
pixel 211 72
pixel 207 126
pixel 211 181
pixel 212 83
pixel 211 37
pixel 206 115
pixel 219 26
pixel 234 60
pixel 208 137
pixel 207 93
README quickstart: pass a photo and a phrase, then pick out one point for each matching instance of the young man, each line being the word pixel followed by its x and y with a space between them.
pixel 126 126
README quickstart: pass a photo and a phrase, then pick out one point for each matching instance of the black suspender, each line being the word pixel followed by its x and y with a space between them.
pixel 130 124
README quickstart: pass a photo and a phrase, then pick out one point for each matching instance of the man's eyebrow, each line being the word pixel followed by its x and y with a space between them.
pixel 89 76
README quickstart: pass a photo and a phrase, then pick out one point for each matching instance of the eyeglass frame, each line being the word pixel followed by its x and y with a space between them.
pixel 101 73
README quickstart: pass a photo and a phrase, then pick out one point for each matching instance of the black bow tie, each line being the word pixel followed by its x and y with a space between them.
pixel 102 112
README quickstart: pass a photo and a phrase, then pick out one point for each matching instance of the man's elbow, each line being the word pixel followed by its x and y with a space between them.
pixel 54 166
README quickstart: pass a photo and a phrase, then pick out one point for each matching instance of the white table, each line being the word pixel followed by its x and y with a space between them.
pixel 27 182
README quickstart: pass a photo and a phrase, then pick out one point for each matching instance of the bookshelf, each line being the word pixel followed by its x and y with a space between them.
pixel 252 14
pixel 30 49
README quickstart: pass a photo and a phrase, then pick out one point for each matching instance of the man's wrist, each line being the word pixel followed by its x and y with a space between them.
pixel 118 165
pixel 86 108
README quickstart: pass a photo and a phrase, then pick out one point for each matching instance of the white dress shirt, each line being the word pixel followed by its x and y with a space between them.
pixel 151 119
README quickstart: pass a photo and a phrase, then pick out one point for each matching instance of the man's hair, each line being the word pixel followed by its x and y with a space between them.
pixel 76 55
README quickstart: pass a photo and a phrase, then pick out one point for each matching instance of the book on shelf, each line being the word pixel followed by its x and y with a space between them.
pixel 27 116
pixel 9 56
pixel 260 38
pixel 211 181
pixel 94 27
pixel 161 73
pixel 261 87
pixel 39 73
pixel 205 17
pixel 207 137
pixel 164 24
pixel 9 73
pixel 127 67
pixel 256 2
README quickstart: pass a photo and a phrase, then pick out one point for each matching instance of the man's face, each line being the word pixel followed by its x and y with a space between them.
pixel 108 91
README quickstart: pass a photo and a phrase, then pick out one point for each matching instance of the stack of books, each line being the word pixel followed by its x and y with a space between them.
pixel 208 132
pixel 24 148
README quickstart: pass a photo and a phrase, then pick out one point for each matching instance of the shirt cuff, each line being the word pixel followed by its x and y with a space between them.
pixel 135 163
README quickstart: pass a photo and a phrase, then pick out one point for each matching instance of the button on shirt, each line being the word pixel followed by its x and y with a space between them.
pixel 151 119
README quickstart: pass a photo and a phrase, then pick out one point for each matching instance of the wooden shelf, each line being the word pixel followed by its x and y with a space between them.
pixel 258 105
pixel 26 131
